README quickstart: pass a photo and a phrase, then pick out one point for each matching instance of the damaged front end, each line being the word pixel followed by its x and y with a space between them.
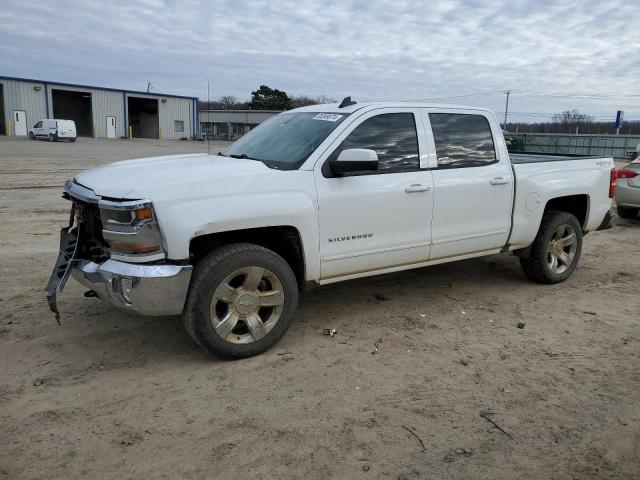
pixel 82 240
pixel 114 248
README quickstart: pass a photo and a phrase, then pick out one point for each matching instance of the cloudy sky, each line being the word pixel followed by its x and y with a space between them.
pixel 369 49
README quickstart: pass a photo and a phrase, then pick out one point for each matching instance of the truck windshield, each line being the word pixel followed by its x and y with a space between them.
pixel 285 141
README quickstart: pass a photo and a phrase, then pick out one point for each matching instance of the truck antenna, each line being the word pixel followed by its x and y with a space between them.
pixel 346 101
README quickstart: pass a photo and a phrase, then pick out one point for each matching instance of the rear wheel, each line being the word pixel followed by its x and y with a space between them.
pixel 556 250
pixel 241 301
pixel 627 212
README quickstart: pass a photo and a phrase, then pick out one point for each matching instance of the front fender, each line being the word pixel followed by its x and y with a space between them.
pixel 180 222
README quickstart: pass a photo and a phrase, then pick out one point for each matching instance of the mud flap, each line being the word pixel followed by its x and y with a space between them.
pixel 64 265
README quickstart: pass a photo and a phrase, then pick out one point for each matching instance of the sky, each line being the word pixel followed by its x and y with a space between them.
pixel 552 55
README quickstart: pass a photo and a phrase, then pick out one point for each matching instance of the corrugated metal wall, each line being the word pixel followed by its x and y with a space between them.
pixel 173 109
pixel 23 96
pixel 253 117
pixel 617 146
pixel 103 103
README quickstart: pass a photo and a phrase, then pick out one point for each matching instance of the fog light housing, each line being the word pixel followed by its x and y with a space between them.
pixel 122 288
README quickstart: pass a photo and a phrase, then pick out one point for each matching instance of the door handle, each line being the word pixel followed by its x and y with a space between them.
pixel 416 187
pixel 499 181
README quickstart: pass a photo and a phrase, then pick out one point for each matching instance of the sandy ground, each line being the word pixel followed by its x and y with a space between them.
pixel 397 393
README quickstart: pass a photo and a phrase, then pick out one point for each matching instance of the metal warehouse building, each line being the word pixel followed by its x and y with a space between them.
pixel 231 124
pixel 98 112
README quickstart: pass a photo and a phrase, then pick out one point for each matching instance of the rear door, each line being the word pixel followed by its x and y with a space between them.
pixel 375 220
pixel 66 128
pixel 473 185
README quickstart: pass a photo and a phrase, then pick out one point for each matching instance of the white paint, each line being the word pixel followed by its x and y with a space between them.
pixel 358 226
pixel 111 127
pixel 20 123
pixel 61 129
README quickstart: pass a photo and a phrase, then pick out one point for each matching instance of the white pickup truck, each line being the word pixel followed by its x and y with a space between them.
pixel 317 195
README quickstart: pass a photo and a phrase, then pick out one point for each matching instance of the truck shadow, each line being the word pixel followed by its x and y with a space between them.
pixel 165 339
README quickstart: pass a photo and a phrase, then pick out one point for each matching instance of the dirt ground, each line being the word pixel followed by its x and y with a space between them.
pixel 397 393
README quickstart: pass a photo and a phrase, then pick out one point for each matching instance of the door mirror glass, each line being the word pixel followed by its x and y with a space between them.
pixel 355 160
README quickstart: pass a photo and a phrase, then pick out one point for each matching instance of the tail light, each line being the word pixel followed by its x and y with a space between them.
pixel 626 173
pixel 612 182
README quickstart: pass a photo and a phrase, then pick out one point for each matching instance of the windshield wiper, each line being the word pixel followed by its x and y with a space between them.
pixel 242 155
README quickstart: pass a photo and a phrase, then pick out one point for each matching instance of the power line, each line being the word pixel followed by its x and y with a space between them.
pixel 596 96
pixel 471 95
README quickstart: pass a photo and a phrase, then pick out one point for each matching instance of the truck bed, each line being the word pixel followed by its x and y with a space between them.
pixel 518 158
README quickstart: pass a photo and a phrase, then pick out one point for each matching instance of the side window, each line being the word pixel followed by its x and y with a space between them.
pixel 38 125
pixel 393 136
pixel 462 140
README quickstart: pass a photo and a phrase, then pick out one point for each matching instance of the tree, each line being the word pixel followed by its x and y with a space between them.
pixel 569 120
pixel 266 98
pixel 228 101
pixel 305 100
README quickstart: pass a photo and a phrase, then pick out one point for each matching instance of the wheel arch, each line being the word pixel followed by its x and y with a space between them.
pixel 577 205
pixel 285 240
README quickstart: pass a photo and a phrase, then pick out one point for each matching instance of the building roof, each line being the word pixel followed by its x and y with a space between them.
pixel 137 92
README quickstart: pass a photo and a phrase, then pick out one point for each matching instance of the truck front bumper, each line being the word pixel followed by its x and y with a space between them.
pixel 145 289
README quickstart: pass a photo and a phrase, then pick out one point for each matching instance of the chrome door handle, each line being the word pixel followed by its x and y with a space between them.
pixel 417 188
pixel 499 181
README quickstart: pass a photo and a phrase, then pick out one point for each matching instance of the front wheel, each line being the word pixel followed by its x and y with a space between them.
pixel 241 301
pixel 32 136
pixel 52 137
pixel 556 250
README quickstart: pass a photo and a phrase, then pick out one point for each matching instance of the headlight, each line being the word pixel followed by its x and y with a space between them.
pixel 130 228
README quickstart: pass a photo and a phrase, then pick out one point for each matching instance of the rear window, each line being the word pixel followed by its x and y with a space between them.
pixel 462 140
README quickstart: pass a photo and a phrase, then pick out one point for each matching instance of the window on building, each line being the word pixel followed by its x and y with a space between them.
pixel 178 126
pixel 462 140
pixel 393 137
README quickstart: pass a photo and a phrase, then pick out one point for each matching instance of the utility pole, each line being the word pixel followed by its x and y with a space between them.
pixel 208 119
pixel 506 110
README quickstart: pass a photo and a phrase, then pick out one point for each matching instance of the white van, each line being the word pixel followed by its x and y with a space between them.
pixel 54 130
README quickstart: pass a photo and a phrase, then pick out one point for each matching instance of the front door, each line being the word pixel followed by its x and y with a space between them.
pixel 111 127
pixel 473 186
pixel 375 220
pixel 20 123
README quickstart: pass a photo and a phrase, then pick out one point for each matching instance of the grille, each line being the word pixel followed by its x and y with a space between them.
pixel 92 245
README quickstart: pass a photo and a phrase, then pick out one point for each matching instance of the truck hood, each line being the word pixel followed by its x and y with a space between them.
pixel 149 177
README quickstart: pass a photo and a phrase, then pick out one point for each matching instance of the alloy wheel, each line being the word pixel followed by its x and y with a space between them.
pixel 247 304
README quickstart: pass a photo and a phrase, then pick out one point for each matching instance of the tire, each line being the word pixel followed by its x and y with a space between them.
pixel 222 288
pixel 32 136
pixel 627 212
pixel 552 241
pixel 73 140
pixel 52 137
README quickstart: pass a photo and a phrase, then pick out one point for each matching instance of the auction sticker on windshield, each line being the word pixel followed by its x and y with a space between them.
pixel 328 117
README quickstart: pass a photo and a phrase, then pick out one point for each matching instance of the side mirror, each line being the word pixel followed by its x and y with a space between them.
pixel 355 160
